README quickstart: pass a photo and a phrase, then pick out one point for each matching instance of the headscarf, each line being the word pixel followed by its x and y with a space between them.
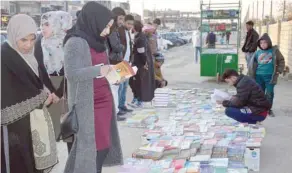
pixel 52 47
pixel 20 26
pixel 91 21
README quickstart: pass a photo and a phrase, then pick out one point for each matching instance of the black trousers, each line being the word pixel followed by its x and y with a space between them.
pixel 100 157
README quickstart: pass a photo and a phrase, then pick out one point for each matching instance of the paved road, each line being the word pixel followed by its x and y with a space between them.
pixel 181 71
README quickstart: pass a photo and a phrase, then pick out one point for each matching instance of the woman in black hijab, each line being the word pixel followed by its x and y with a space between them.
pixel 97 142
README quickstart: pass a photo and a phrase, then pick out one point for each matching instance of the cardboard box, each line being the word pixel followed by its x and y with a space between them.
pixel 252 159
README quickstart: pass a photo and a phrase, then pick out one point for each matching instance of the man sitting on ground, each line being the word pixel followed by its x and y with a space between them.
pixel 249 105
pixel 159 80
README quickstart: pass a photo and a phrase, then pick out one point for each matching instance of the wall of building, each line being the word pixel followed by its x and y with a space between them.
pixel 281 35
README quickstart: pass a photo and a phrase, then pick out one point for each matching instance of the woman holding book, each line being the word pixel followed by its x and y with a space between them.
pixel 97 142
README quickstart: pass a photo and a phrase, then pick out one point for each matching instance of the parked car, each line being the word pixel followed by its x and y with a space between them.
pixel 174 39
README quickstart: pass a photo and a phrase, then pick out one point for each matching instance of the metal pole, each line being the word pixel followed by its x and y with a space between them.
pixel 271 12
pixel 252 10
pixel 263 12
pixel 284 9
pixel 257 10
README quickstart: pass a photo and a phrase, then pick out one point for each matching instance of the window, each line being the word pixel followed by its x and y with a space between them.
pixel 12 8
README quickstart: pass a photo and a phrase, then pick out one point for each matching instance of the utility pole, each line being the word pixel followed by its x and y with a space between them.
pixel 257 10
pixel 263 12
pixel 252 10
pixel 284 10
pixel 271 12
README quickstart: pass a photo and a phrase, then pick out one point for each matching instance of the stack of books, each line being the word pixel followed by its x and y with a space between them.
pixel 161 98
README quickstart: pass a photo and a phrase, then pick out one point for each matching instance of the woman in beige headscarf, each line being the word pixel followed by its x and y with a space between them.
pixel 27 135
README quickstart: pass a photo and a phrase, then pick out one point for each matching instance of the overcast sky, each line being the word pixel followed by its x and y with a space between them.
pixel 194 5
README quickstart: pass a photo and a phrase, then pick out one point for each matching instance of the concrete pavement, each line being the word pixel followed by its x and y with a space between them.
pixel 181 72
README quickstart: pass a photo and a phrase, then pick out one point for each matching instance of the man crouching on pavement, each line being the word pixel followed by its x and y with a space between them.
pixel 249 105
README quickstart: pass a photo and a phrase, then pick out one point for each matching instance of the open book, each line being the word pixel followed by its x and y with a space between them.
pixel 121 70
pixel 219 95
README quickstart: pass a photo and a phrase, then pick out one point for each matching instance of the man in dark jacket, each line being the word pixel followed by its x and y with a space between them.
pixel 116 48
pixel 115 53
pixel 211 40
pixel 125 37
pixel 250 44
pixel 249 105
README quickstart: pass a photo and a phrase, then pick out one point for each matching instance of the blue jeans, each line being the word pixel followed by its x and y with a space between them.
pixel 122 94
pixel 243 115
pixel 197 53
pixel 248 56
pixel 265 82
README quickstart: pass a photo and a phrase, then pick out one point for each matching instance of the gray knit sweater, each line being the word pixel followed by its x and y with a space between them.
pixel 80 72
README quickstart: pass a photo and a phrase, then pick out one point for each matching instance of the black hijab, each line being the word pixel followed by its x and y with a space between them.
pixel 91 21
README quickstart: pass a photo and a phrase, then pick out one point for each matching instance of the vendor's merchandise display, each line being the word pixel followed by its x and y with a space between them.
pixel 161 97
pixel 196 137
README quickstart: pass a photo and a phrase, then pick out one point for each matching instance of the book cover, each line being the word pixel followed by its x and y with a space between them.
pixel 120 70
pixel 124 69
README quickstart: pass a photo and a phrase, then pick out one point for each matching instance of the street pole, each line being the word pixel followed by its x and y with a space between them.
pixel 252 10
pixel 263 12
pixel 257 11
pixel 284 9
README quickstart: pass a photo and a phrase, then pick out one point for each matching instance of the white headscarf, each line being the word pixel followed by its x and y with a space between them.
pixel 20 26
pixel 52 47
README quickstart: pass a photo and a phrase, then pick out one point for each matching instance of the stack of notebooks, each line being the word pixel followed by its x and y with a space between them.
pixel 161 98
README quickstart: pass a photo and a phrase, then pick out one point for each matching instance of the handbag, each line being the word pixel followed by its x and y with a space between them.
pixel 69 120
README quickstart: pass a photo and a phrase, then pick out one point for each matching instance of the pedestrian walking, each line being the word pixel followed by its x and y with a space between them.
pixel 250 44
pixel 97 142
pixel 266 66
pixel 27 135
pixel 197 44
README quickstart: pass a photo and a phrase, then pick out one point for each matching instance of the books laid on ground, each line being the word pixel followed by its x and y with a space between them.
pixel 120 71
pixel 161 97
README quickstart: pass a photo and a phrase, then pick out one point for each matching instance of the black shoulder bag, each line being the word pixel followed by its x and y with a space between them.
pixel 69 120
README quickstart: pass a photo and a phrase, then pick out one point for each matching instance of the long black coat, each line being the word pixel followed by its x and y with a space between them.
pixel 143 81
pixel 22 92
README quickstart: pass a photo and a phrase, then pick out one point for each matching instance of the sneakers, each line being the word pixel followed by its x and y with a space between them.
pixel 134 102
pixel 120 118
pixel 125 109
pixel 271 113
pixel 121 113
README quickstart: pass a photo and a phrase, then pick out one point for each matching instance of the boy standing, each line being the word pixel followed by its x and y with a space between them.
pixel 268 63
